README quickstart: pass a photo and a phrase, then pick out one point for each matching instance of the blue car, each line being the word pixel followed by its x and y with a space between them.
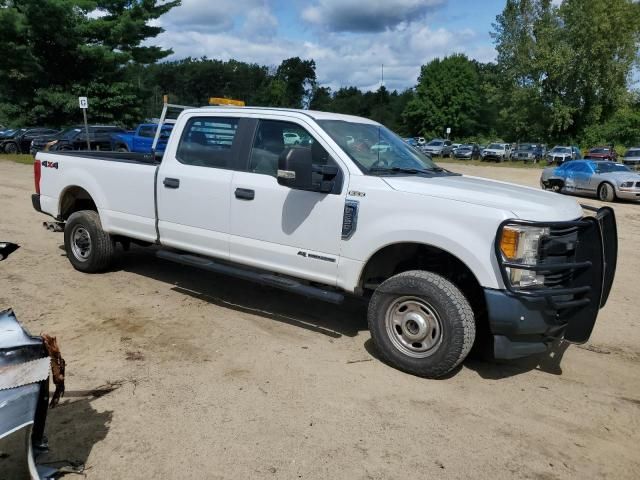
pixel 141 140
pixel 603 179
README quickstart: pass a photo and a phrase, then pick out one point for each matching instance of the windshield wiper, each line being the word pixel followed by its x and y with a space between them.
pixel 412 171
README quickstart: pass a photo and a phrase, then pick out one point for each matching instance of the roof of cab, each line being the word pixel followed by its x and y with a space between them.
pixel 316 115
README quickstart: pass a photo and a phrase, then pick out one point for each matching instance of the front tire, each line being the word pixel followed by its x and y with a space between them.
pixel 421 323
pixel 89 248
pixel 606 192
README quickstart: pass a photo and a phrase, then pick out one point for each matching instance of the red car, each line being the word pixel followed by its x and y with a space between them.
pixel 602 153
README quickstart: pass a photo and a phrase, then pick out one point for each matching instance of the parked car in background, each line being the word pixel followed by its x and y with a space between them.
pixel 381 147
pixel 560 154
pixel 141 140
pixel 20 139
pixel 75 138
pixel 632 157
pixel 411 141
pixel 498 152
pixel 528 152
pixel 469 151
pixel 602 153
pixel 291 138
pixel 438 147
pixel 602 179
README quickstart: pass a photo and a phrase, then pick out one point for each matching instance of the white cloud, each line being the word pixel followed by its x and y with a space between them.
pixel 370 16
pixel 248 32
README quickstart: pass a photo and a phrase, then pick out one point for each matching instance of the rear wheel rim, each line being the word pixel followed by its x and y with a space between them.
pixel 81 243
pixel 413 326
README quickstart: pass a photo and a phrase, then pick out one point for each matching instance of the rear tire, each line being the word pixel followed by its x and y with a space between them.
pixel 421 323
pixel 606 192
pixel 89 248
pixel 11 148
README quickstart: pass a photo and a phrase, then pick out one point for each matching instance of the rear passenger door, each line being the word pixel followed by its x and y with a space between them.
pixel 194 185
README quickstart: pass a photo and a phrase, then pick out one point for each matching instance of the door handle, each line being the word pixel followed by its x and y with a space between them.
pixel 171 182
pixel 245 194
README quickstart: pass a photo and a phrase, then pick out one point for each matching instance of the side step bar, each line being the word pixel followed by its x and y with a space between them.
pixel 264 278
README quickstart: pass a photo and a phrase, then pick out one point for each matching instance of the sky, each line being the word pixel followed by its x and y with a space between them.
pixel 349 40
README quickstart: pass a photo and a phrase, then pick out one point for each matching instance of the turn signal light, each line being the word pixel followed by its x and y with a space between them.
pixel 509 243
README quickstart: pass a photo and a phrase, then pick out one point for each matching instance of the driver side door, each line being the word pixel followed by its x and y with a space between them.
pixel 277 228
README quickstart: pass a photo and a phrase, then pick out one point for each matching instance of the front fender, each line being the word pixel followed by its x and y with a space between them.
pixel 464 230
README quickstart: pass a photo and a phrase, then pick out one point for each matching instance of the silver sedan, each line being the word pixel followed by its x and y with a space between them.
pixel 602 179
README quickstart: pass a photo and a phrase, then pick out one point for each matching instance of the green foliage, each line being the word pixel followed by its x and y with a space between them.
pixel 64 48
pixel 565 69
pixel 447 95
pixel 562 74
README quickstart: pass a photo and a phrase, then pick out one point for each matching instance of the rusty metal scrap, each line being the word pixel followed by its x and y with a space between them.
pixel 57 367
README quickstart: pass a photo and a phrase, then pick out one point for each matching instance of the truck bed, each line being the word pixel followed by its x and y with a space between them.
pixel 121 184
pixel 128 157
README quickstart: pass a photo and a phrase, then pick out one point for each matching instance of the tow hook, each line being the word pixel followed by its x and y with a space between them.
pixel 54 226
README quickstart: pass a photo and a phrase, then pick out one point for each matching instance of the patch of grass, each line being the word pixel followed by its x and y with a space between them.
pixel 24 159
pixel 506 163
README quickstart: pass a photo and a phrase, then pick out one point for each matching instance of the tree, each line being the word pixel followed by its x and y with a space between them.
pixel 69 48
pixel 447 95
pixel 299 79
pixel 565 69
pixel 321 99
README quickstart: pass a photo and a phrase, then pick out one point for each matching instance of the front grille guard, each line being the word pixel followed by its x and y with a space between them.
pixel 586 275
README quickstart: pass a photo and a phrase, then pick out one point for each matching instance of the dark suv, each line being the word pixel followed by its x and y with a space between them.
pixel 19 140
pixel 528 152
pixel 75 138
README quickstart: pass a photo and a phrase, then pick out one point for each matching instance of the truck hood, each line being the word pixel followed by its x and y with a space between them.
pixel 523 202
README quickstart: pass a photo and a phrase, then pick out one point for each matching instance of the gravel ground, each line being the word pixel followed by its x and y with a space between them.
pixel 177 373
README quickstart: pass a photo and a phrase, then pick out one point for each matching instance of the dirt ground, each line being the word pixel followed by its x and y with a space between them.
pixel 177 373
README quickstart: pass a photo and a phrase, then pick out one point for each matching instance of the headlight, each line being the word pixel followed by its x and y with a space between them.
pixel 519 244
pixel 626 185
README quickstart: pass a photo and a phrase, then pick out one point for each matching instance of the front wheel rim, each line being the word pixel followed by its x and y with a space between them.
pixel 413 326
pixel 81 243
pixel 604 192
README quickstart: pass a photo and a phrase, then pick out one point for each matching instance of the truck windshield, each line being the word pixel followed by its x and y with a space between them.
pixel 376 149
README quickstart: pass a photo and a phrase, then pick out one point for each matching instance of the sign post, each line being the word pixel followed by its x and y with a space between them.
pixel 84 104
pixel 448 132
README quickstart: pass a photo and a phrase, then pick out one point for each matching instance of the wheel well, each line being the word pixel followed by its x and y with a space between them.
pixel 401 257
pixel 75 199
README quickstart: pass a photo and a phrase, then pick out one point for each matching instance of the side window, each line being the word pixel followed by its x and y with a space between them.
pixel 207 142
pixel 275 137
pixel 147 131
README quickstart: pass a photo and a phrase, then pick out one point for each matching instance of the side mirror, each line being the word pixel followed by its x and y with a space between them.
pixel 295 169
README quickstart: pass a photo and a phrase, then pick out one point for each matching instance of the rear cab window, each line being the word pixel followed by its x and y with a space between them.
pixel 207 142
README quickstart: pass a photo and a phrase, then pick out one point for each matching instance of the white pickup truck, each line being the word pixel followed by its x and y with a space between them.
pixel 439 256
